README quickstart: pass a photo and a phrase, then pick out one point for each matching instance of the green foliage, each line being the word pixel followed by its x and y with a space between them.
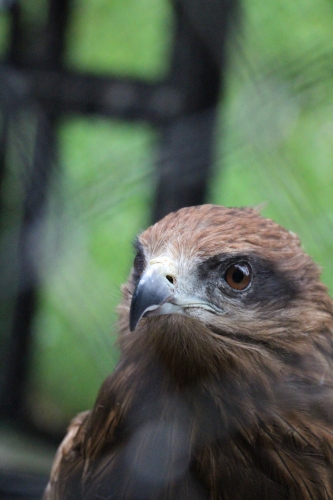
pixel 125 37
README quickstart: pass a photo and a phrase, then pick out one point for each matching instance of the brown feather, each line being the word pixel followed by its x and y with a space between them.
pixel 212 407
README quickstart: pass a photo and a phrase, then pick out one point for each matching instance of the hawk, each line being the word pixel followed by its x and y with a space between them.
pixel 224 387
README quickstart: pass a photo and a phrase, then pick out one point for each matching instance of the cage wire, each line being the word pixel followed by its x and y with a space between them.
pixel 272 145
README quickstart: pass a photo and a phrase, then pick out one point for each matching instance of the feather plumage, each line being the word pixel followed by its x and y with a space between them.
pixel 224 390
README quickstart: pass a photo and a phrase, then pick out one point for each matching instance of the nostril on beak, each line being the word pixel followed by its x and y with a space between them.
pixel 170 278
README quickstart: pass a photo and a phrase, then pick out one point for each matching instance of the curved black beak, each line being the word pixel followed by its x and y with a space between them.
pixel 152 291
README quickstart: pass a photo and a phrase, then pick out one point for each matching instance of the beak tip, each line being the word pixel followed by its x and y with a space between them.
pixel 133 318
pixel 132 326
pixel 152 291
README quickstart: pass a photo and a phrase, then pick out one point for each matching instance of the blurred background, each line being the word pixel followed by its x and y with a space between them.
pixel 113 113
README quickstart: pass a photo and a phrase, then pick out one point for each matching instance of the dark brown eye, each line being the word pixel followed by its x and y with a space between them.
pixel 238 276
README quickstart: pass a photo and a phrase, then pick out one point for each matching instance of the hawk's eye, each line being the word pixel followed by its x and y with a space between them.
pixel 238 276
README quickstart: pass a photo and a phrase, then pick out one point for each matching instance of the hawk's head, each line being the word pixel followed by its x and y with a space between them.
pixel 231 269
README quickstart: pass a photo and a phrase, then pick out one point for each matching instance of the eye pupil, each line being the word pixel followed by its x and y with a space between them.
pixel 238 276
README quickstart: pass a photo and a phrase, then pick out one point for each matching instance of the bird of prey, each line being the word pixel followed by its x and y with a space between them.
pixel 224 388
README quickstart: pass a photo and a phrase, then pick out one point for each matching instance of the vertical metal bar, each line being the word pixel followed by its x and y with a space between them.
pixel 36 179
pixel 56 25
pixel 15 33
pixel 186 149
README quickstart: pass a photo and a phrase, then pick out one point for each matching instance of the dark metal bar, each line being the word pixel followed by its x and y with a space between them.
pixel 35 180
pixel 37 168
pixel 14 42
pixel 55 32
pixel 184 164
pixel 62 92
